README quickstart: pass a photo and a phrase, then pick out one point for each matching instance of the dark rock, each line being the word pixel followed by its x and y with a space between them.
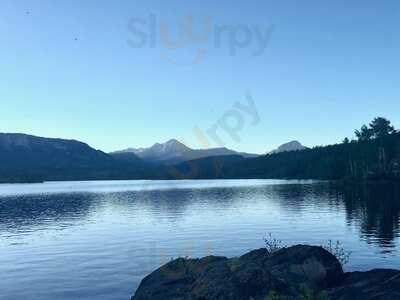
pixel 375 284
pixel 306 265
pixel 252 276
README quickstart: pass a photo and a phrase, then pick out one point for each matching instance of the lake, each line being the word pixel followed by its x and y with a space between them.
pixel 97 240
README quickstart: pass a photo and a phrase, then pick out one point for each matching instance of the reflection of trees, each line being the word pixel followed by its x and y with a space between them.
pixel 31 212
pixel 296 197
pixel 291 197
pixel 376 209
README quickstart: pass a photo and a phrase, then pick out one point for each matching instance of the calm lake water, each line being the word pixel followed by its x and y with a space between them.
pixel 97 240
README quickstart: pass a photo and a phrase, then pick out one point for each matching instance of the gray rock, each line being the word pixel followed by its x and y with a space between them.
pixel 251 276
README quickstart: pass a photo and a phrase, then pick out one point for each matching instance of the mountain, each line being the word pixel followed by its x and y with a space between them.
pixel 26 158
pixel 288 147
pixel 175 152
pixel 376 159
pixel 204 168
pixel 31 158
pixel 128 157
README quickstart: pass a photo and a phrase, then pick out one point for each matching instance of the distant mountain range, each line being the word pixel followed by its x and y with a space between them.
pixel 30 158
pixel 174 152
pixel 26 158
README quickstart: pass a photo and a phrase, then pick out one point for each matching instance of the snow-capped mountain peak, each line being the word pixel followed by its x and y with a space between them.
pixel 174 151
pixel 287 147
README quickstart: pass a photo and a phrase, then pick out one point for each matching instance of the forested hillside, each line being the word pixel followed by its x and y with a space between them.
pixel 26 158
pixel 378 158
pixel 374 155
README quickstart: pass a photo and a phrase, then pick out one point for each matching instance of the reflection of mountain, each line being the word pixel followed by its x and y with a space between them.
pixel 373 209
pixel 171 205
pixel 50 211
pixel 376 209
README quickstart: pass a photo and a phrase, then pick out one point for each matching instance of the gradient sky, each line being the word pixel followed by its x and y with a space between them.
pixel 67 71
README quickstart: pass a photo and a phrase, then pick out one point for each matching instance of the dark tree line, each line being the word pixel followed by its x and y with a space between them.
pixel 375 155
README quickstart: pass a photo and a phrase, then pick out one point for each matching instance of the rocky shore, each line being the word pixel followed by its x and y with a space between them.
pixel 298 272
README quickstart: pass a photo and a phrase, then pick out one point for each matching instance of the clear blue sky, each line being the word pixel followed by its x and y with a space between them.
pixel 68 71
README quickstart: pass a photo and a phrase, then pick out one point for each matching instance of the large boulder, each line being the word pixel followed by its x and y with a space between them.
pixel 251 276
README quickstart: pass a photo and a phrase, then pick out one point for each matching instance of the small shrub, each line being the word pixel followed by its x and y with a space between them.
pixel 337 250
pixel 272 244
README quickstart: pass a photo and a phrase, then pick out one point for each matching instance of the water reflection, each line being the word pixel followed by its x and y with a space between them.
pixel 28 213
pixel 98 239
pixel 375 209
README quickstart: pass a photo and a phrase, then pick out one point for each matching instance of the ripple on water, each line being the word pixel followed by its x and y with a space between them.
pixel 98 239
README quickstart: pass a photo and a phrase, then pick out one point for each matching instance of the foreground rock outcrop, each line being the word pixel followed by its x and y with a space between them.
pixel 375 284
pixel 287 274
